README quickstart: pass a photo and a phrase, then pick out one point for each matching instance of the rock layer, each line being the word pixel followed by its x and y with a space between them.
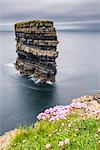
pixel 37 49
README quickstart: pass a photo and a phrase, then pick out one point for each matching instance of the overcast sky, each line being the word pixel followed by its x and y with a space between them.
pixel 57 10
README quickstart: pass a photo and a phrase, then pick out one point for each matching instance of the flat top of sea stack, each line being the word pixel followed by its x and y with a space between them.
pixel 34 22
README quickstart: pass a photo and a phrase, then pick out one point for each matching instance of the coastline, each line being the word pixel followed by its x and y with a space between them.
pixel 93 110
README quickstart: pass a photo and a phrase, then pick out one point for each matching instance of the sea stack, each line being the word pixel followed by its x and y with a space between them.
pixel 37 49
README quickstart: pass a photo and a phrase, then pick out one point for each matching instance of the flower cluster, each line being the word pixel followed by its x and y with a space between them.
pixel 97 111
pixel 61 144
pixel 78 105
pixel 59 112
pixel 64 143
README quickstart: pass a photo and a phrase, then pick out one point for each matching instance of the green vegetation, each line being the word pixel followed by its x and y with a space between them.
pixel 81 134
pixel 33 21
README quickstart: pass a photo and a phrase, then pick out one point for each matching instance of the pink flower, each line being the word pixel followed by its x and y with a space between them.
pixel 67 141
pixel 69 125
pixel 97 111
pixel 61 143
pixel 48 146
pixel 78 105
pixel 59 112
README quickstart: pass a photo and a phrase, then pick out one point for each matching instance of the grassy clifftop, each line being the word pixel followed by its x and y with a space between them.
pixel 70 134
pixel 67 127
pixel 71 127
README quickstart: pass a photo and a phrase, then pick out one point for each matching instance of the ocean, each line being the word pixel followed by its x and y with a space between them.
pixel 78 74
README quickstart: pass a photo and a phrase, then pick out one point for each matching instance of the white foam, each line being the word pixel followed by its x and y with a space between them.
pixel 10 65
pixel 38 81
pixel 49 82
pixel 31 77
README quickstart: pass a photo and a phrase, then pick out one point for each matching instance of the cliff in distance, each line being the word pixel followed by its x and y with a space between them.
pixel 37 49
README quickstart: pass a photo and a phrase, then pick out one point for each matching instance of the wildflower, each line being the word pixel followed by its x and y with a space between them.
pixel 53 131
pixel 41 116
pixel 58 133
pixel 50 135
pixel 98 141
pixel 95 135
pixel 74 121
pixel 78 105
pixel 63 124
pixel 61 143
pixel 76 130
pixel 24 141
pixel 60 130
pixel 84 118
pixel 69 125
pixel 35 125
pixel 73 112
pixel 75 135
pixel 56 130
pixel 67 141
pixel 99 130
pixel 60 112
pixel 97 111
pixel 48 146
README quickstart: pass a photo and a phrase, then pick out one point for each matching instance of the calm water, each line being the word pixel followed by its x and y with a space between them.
pixel 78 74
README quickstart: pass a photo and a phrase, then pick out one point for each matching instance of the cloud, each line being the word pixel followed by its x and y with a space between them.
pixel 57 10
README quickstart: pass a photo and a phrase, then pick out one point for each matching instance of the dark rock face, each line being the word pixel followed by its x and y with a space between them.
pixel 36 48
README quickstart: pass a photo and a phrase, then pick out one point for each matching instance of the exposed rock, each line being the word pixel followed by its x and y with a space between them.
pixel 36 52
pixel 5 139
pixel 36 48
pixel 93 104
pixel 37 69
pixel 97 97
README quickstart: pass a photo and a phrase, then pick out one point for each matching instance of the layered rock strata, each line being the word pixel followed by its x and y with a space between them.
pixel 37 49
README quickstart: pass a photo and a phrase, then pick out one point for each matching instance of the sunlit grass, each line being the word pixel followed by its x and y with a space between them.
pixel 82 134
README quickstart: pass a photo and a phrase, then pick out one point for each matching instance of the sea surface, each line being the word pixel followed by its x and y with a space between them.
pixel 78 74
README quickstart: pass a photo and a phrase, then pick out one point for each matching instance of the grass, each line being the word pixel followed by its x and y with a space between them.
pixel 82 133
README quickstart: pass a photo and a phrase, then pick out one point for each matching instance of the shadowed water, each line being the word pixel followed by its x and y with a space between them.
pixel 78 74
